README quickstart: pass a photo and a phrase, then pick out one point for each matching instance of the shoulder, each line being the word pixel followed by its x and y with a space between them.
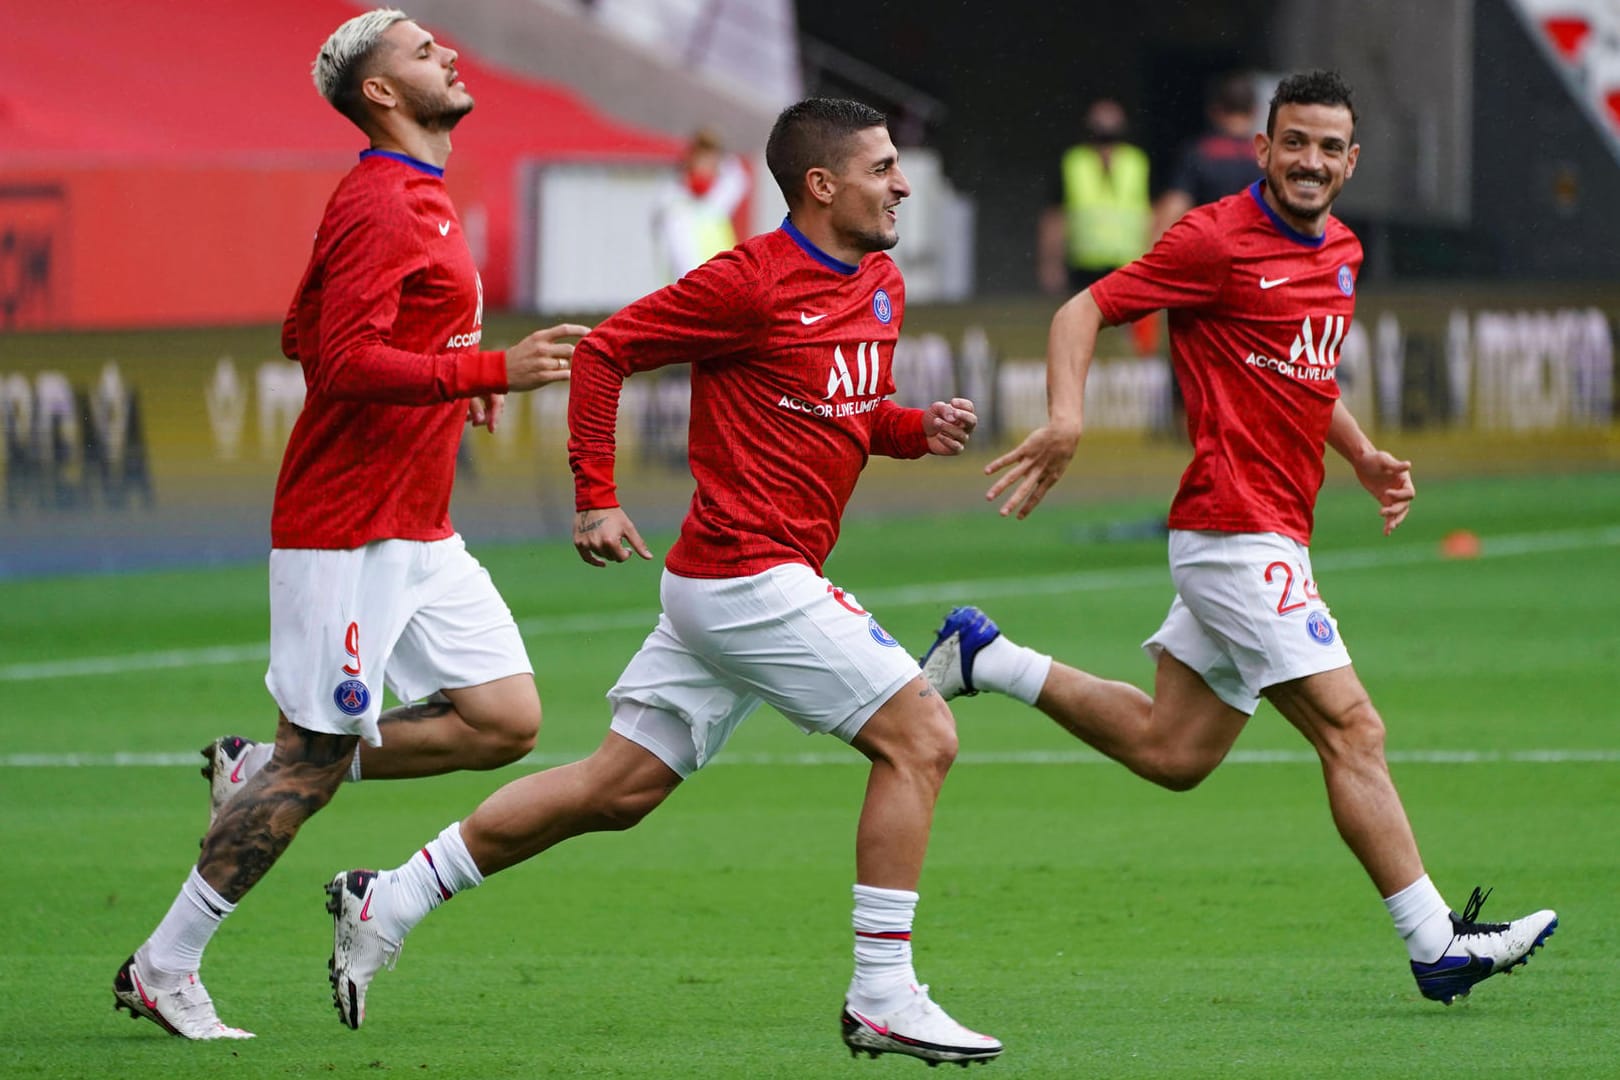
pixel 374 196
pixel 1201 234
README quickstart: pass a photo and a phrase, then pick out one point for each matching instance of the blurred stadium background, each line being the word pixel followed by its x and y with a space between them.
pixel 164 163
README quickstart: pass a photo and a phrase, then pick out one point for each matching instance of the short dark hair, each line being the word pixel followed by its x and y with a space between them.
pixel 815 133
pixel 1231 92
pixel 1311 88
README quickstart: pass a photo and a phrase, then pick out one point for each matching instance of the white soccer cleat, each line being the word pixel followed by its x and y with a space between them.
pixel 227 770
pixel 359 950
pixel 1479 950
pixel 918 1028
pixel 180 1007
pixel 948 663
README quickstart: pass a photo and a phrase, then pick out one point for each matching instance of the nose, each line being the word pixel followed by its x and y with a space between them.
pixel 450 55
pixel 899 184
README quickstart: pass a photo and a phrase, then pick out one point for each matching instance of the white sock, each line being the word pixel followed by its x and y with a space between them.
pixel 1422 919
pixel 882 947
pixel 1010 669
pixel 176 946
pixel 354 766
pixel 427 879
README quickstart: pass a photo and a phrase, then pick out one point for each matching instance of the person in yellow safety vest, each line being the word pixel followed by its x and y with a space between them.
pixel 693 220
pixel 1101 216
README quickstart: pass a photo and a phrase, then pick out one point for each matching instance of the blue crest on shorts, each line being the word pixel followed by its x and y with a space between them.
pixel 1347 281
pixel 881 307
pixel 879 635
pixel 352 696
pixel 1320 628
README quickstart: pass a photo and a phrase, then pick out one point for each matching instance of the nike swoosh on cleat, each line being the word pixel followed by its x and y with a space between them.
pixel 150 1003
pixel 365 910
pixel 236 773
pixel 881 1029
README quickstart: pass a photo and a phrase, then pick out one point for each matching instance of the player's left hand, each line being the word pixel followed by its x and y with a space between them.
pixel 949 426
pixel 486 411
pixel 1389 480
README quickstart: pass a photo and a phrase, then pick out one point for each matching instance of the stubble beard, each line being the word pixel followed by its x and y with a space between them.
pixel 436 113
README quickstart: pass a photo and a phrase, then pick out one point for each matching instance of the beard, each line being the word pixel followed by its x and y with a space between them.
pixel 435 112
pixel 870 240
pixel 1305 213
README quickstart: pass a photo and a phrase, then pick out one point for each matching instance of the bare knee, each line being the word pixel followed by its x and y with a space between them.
pixel 509 738
pixel 621 810
pixel 929 745
pixel 1177 768
pixel 1355 734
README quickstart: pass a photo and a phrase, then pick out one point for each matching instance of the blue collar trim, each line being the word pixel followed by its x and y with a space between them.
pixel 420 166
pixel 814 252
pixel 1282 226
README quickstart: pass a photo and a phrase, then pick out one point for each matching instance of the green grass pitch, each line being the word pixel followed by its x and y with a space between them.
pixel 1099 926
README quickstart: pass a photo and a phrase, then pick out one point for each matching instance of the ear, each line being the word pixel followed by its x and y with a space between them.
pixel 1350 160
pixel 379 91
pixel 1262 150
pixel 821 184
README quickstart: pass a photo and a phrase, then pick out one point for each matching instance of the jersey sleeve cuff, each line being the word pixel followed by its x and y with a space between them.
pixel 594 488
pixel 480 373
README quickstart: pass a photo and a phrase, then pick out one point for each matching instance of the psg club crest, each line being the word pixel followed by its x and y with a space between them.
pixel 1347 281
pixel 352 696
pixel 881 307
pixel 1320 628
pixel 880 635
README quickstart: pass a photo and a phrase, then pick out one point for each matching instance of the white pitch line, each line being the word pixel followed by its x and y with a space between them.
pixel 967 758
pixel 941 592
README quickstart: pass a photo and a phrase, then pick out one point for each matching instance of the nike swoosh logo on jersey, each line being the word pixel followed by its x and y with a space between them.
pixel 807 318
pixel 1271 283
pixel 444 228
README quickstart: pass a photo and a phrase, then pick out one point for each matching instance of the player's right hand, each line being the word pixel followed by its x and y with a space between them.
pixel 607 534
pixel 540 358
pixel 1034 465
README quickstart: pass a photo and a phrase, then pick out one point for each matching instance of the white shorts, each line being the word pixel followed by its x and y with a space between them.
pixel 786 636
pixel 1247 614
pixel 417 616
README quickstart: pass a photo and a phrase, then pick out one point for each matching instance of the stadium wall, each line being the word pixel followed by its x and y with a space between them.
pixel 133 450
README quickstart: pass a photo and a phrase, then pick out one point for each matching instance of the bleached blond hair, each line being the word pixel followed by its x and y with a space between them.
pixel 340 66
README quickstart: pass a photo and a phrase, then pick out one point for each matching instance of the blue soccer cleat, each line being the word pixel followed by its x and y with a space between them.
pixel 1479 950
pixel 948 663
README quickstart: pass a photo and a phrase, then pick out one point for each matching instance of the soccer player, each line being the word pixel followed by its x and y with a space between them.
pixel 1260 287
pixel 791 339
pixel 369 583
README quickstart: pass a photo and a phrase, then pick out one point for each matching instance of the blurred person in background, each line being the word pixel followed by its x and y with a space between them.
pixel 694 217
pixel 1218 162
pixel 1212 166
pixel 1099 214
pixel 790 337
pixel 369 582
pixel 1260 286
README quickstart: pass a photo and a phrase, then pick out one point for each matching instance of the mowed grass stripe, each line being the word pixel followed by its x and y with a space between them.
pixel 940 592
pixel 1010 757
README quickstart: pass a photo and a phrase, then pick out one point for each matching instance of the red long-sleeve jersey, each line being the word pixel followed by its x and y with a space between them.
pixel 791 353
pixel 386 323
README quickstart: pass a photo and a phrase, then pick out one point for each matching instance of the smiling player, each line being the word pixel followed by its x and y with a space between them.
pixel 1260 287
